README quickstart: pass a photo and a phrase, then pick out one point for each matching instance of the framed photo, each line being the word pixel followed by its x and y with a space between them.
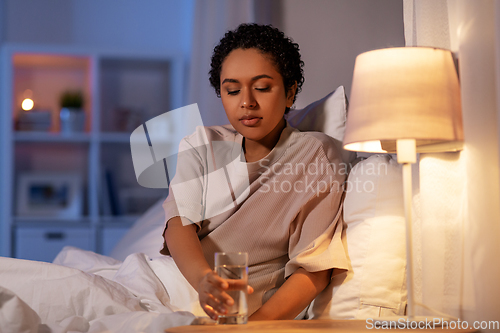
pixel 49 195
pixel 137 200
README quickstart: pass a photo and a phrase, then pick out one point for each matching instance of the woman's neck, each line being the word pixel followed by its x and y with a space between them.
pixel 256 150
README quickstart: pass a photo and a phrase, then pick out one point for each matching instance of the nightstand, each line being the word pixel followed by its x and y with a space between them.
pixel 299 326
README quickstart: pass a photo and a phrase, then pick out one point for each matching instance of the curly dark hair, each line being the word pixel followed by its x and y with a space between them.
pixel 283 52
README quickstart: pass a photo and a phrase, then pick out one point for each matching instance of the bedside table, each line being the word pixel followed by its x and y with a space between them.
pixel 302 326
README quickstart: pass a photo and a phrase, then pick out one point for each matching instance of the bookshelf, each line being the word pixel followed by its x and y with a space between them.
pixel 121 90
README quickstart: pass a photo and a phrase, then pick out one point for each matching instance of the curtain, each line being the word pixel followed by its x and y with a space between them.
pixel 459 201
pixel 212 19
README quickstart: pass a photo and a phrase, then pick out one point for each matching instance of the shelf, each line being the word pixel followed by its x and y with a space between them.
pixel 51 137
pixel 108 137
pixel 117 137
pixel 84 221
pixel 133 91
pixel 38 60
pixel 44 78
pixel 118 221
pixel 122 90
pixel 29 221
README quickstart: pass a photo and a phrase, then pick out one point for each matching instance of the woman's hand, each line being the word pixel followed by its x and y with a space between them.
pixel 185 248
pixel 213 298
pixel 294 295
pixel 212 294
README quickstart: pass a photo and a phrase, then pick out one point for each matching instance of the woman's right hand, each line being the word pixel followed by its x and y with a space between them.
pixel 213 298
pixel 212 294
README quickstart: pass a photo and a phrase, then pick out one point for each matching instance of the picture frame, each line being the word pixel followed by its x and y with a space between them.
pixel 49 195
pixel 135 201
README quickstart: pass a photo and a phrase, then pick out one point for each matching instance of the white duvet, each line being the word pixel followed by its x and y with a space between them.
pixel 86 292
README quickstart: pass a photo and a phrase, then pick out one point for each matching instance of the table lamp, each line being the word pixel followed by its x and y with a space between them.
pixel 406 101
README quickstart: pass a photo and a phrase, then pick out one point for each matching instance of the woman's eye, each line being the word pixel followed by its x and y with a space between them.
pixel 262 89
pixel 233 92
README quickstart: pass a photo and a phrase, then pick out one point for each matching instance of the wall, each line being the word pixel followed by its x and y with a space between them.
pixel 460 192
pixel 2 21
pixel 332 33
pixel 124 24
pixel 479 47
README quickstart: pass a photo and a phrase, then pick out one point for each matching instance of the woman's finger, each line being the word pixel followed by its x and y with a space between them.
pixel 212 293
pixel 219 295
pixel 216 287
pixel 217 281
pixel 210 311
pixel 249 290
pixel 209 304
pixel 236 284
pixel 217 306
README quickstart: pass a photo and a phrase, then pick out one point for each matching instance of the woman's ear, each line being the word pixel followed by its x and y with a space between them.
pixel 290 95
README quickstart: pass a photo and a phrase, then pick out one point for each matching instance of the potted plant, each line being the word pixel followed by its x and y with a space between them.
pixel 72 114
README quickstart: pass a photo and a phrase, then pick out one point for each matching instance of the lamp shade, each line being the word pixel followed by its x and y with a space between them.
pixel 404 93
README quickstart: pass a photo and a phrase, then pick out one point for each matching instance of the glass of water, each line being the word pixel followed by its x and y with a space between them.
pixel 234 266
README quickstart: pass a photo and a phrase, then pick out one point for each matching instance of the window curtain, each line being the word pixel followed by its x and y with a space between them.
pixel 458 220
pixel 212 18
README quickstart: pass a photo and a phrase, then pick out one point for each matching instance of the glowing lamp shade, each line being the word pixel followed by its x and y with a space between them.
pixel 404 93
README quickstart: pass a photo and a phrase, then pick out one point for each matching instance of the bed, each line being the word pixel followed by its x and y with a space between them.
pixel 137 290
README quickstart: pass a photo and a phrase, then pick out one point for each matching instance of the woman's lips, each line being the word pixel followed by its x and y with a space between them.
pixel 249 120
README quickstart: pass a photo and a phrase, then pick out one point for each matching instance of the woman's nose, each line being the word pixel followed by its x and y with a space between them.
pixel 247 99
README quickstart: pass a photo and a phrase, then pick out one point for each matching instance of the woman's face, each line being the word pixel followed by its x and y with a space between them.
pixel 253 94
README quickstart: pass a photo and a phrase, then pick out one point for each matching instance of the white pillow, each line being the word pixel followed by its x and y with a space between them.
pixel 182 295
pixel 375 240
pixel 327 115
pixel 144 236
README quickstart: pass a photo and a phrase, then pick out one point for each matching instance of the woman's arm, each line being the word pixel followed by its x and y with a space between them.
pixel 294 295
pixel 185 248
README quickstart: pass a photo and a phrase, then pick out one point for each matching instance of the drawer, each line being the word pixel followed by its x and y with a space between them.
pixel 44 244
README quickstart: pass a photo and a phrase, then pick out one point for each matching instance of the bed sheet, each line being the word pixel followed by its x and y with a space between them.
pixel 86 292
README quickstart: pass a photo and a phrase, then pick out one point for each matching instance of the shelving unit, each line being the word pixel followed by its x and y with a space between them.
pixel 122 90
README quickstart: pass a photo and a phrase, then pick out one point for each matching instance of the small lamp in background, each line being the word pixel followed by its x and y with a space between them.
pixel 30 117
pixel 27 104
pixel 405 100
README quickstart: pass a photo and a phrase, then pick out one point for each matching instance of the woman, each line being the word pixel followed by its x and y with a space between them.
pixel 286 213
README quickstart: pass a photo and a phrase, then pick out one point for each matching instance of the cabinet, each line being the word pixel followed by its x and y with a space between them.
pixel 76 187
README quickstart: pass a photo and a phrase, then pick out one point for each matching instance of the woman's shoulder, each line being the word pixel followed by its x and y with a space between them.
pixel 213 133
pixel 317 142
pixel 225 132
pixel 206 134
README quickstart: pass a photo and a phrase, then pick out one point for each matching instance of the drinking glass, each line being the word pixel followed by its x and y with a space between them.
pixel 234 266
